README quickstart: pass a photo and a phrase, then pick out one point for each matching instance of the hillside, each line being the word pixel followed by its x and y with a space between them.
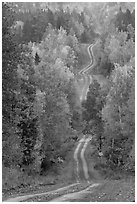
pixel 68 100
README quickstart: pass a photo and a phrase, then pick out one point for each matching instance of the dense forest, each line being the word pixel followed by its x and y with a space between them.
pixel 42 53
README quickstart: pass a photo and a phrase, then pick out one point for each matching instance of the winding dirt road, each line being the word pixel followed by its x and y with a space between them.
pixel 83 73
pixel 79 154
pixel 86 79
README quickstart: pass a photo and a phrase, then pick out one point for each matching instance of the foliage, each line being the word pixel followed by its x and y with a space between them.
pixel 119 49
pixel 26 119
pixel 41 110
pixel 36 16
pixel 120 133
pixel 9 63
pixel 52 76
pixel 12 154
pixel 44 47
pixel 91 114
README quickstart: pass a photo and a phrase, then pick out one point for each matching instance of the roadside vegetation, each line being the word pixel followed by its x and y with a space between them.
pixel 43 49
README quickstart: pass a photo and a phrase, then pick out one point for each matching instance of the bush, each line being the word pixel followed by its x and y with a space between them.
pixel 14 178
pixel 11 150
pixel 10 177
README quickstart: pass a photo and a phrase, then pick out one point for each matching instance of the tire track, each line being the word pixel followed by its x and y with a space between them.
pixel 85 167
pixel 88 79
pixel 76 156
pixel 81 153
pixel 83 140
pixel 26 197
pixel 89 53
pixel 76 195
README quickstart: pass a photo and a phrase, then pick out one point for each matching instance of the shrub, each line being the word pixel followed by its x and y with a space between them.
pixel 10 177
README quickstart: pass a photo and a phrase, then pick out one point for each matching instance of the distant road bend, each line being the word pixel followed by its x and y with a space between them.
pixel 83 73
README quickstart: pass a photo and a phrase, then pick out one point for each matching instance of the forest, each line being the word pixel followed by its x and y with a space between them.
pixel 43 49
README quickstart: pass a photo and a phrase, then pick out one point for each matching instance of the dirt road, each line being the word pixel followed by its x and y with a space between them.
pixel 79 153
pixel 87 79
pixel 80 166
pixel 26 197
pixel 76 195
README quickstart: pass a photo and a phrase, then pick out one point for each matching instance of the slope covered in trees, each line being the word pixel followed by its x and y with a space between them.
pixel 41 57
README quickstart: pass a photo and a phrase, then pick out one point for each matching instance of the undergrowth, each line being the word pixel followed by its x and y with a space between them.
pixel 108 171
pixel 14 178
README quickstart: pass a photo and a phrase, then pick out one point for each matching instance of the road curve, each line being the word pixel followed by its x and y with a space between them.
pixel 84 75
pixel 74 196
pixel 26 197
pixel 83 140
pixel 91 58
pixel 87 79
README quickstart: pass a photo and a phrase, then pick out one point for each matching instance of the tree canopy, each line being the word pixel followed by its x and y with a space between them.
pixel 44 46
